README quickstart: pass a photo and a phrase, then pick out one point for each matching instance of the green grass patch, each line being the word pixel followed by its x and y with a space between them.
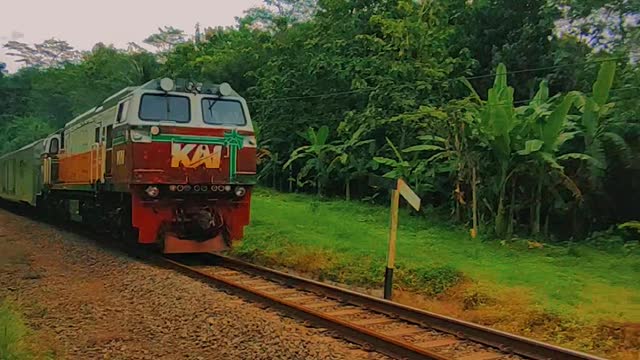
pixel 13 334
pixel 347 242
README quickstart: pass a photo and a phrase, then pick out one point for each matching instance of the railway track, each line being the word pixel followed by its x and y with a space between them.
pixel 389 328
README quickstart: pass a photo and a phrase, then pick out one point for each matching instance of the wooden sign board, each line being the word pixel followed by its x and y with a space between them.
pixel 399 185
pixel 408 194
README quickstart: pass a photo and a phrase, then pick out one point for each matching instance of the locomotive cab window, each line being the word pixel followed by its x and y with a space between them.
pixel 54 146
pixel 109 141
pixel 156 107
pixel 223 112
pixel 120 111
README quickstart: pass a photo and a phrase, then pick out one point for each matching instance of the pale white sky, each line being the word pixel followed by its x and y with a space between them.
pixel 85 22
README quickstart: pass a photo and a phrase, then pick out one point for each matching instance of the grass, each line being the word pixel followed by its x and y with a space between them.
pixel 347 242
pixel 13 334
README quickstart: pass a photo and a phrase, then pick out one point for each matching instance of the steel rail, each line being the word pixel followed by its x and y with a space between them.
pixel 358 334
pixel 502 341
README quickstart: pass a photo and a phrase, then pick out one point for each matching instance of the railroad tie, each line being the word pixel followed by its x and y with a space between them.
pixel 346 312
pixel 437 343
pixel 265 287
pixel 253 282
pixel 228 273
pixel 285 292
pixel 300 298
pixel 482 356
pixel 320 305
pixel 403 332
pixel 374 321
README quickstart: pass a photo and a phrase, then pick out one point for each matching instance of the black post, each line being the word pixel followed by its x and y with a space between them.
pixel 388 283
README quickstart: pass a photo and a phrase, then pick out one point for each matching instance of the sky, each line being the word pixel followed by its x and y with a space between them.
pixel 83 23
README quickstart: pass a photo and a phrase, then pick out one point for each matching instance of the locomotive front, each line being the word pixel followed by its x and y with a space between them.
pixel 186 154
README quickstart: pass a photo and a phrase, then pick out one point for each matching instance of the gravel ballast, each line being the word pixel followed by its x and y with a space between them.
pixel 87 302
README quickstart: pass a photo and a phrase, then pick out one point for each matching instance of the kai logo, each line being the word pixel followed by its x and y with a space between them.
pixel 193 156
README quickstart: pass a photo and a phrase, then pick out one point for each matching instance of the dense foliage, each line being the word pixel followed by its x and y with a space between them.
pixel 515 116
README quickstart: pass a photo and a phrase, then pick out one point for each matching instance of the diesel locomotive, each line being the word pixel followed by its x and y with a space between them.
pixel 171 162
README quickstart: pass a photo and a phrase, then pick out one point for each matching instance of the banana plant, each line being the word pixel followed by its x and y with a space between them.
pixel 497 121
pixel 348 160
pixel 548 131
pixel 596 125
pixel 400 168
pixel 317 154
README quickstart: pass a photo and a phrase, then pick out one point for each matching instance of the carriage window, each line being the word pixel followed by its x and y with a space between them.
pixel 97 136
pixel 223 112
pixel 165 108
pixel 54 146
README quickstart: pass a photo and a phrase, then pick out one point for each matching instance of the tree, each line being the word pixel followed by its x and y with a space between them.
pixel 278 15
pixel 166 38
pixel 603 24
pixel 518 34
pixel 49 53
pixel 21 131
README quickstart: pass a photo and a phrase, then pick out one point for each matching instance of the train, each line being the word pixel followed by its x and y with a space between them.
pixel 170 163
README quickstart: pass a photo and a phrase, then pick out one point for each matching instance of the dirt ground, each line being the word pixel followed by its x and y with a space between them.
pixel 85 302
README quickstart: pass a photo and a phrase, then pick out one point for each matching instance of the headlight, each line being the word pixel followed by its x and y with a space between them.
pixel 152 191
pixel 240 191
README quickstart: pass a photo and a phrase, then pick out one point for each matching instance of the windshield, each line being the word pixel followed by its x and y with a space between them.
pixel 223 112
pixel 165 108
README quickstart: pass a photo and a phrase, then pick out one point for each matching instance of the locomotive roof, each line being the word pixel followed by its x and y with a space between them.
pixel 181 85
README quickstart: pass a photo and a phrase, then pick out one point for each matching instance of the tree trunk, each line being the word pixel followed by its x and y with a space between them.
pixel 474 204
pixel 546 225
pixel 535 227
pixel 500 221
pixel 275 174
pixel 512 209
pixel 457 201
pixel 348 189
pixel 290 180
pixel 500 216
